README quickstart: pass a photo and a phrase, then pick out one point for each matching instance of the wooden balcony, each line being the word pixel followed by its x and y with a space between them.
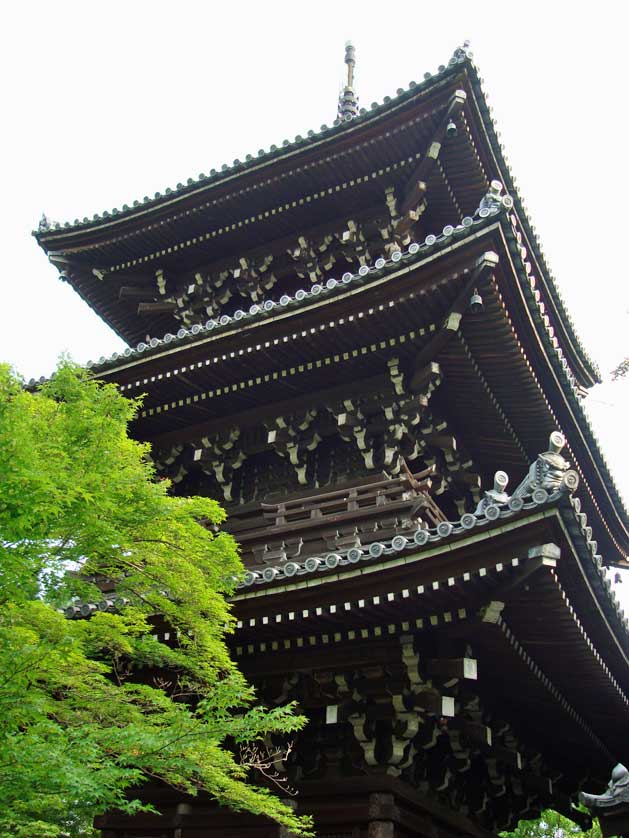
pixel 332 520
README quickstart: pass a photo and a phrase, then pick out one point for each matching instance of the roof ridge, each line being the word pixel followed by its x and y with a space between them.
pixel 48 227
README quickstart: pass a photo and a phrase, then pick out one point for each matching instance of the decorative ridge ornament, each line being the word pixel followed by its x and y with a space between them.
pixel 617 791
pixel 494 200
pixel 45 224
pixel 348 101
pixel 461 53
pixel 550 472
pixel 496 495
pixel 550 478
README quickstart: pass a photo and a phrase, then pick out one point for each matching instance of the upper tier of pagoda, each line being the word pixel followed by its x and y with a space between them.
pixel 326 204
pixel 232 284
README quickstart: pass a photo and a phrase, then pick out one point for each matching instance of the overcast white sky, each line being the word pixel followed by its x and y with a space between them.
pixel 104 103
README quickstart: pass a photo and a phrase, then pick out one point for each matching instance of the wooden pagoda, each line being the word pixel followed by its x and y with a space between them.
pixel 354 342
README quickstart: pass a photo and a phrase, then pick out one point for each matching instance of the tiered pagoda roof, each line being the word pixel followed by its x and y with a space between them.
pixel 148 251
pixel 179 227
pixel 343 338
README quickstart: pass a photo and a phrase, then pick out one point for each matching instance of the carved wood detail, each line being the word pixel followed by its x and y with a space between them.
pixel 309 258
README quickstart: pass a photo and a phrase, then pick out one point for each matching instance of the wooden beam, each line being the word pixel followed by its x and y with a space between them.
pixel 484 265
pixel 507 756
pixel 538 783
pixel 122 276
pixel 412 208
pixel 501 593
pixel 59 260
pixel 416 184
pixel 156 308
pixel 249 418
pixel 433 702
pixel 458 668
pixel 136 292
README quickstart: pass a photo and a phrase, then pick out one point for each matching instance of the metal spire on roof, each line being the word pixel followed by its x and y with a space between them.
pixel 348 101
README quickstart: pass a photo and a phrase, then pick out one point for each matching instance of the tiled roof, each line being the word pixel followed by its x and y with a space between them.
pixel 416 251
pixel 399 544
pixel 392 551
pixel 510 182
pixel 461 56
pixel 560 362
pixel 48 227
pixel 304 297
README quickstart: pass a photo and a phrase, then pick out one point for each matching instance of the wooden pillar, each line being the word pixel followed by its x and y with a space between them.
pixel 381 826
pixel 381 829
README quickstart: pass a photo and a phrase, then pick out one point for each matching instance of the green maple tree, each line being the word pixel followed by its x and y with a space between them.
pixel 81 726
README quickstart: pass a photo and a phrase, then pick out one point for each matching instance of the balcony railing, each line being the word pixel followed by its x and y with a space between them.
pixel 331 520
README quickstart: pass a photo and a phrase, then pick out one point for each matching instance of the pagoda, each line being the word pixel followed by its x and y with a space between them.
pixel 353 341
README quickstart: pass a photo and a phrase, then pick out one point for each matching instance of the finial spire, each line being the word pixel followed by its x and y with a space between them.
pixel 348 101
pixel 350 60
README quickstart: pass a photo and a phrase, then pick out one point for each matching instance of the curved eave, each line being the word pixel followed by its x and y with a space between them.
pixel 583 366
pixel 429 580
pixel 559 387
pixel 426 253
pixel 72 234
pixel 565 403
pixel 592 588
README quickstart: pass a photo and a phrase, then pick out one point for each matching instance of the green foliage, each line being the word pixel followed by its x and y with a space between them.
pixel 621 370
pixel 79 724
pixel 551 824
